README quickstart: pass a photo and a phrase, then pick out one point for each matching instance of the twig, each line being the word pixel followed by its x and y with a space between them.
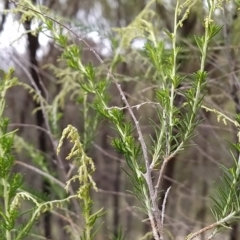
pixel 108 154
pixel 163 168
pixel 135 106
pixel 163 210
pixel 30 125
pixel 63 185
pixel 192 236
pixel 42 173
pixel 211 226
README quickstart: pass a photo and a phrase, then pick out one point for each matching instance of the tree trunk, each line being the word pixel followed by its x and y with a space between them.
pixel 33 45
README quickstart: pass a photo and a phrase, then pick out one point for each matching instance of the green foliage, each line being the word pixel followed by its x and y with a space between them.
pixel 119 235
pixel 73 79
pixel 84 176
pixel 89 90
pixel 226 207
pixel 9 182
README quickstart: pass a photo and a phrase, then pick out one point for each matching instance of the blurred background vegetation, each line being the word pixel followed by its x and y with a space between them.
pixel 115 30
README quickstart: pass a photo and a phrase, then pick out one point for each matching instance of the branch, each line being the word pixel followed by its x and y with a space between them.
pixel 214 225
pixel 135 106
pixel 164 208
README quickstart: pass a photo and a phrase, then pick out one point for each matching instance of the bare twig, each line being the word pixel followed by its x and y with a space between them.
pixel 30 125
pixel 192 236
pixel 108 154
pixel 211 226
pixel 63 185
pixel 135 106
pixel 163 209
pixel 42 173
